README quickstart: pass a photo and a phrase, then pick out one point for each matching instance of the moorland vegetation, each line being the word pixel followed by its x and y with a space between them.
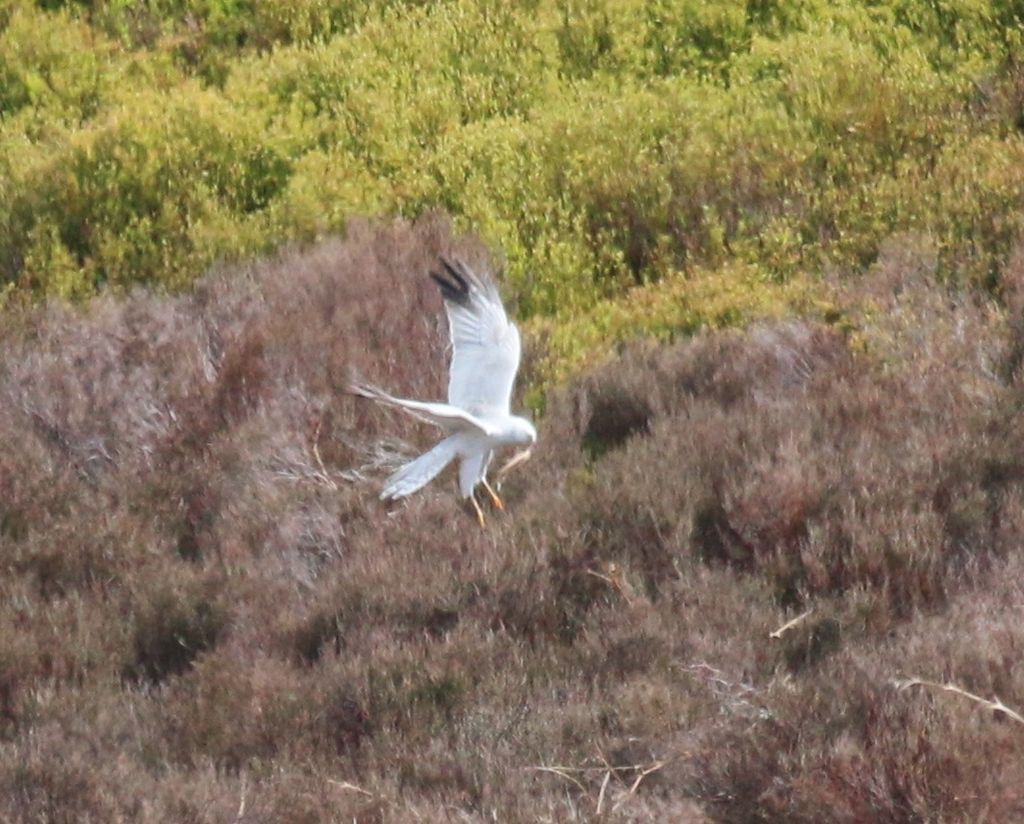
pixel 770 269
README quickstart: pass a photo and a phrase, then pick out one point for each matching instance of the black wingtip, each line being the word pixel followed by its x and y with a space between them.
pixel 456 289
pixel 457 271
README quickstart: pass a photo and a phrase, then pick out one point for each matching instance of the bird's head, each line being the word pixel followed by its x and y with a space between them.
pixel 524 434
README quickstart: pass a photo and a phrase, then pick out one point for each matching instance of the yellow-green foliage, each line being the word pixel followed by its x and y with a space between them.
pixel 601 146
pixel 736 294
pixel 150 192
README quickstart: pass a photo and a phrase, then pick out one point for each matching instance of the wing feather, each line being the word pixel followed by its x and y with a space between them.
pixel 485 344
pixel 443 415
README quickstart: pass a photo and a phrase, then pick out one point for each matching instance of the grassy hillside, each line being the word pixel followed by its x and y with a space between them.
pixel 207 615
pixel 770 264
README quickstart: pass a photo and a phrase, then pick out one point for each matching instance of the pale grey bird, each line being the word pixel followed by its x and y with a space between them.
pixel 477 417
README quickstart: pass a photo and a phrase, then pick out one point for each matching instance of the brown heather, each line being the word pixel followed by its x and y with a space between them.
pixel 206 614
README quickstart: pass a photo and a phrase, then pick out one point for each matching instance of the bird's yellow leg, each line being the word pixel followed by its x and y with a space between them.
pixel 479 511
pixel 494 495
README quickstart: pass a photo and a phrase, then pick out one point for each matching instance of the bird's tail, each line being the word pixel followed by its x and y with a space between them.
pixel 418 473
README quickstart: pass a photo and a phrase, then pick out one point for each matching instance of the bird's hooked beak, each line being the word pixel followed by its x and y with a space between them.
pixel 513 462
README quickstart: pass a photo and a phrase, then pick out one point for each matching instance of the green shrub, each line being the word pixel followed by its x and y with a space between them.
pixel 601 147
pixel 53 64
pixel 146 196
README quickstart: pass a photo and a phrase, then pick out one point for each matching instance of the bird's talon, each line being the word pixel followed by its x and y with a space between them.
pixel 479 511
pixel 494 495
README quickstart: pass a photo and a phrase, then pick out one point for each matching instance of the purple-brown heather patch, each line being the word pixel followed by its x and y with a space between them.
pixel 206 614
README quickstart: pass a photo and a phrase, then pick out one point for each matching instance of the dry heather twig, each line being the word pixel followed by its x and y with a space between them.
pixel 347 785
pixel 607 772
pixel 316 454
pixel 563 772
pixel 604 788
pixel 641 771
pixel 786 627
pixel 616 578
pixel 241 802
pixel 657 765
pixel 995 704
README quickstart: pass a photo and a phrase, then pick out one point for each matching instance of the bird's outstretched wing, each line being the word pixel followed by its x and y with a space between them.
pixel 485 344
pixel 447 417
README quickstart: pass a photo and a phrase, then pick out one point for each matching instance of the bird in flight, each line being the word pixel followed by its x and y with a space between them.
pixel 477 419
